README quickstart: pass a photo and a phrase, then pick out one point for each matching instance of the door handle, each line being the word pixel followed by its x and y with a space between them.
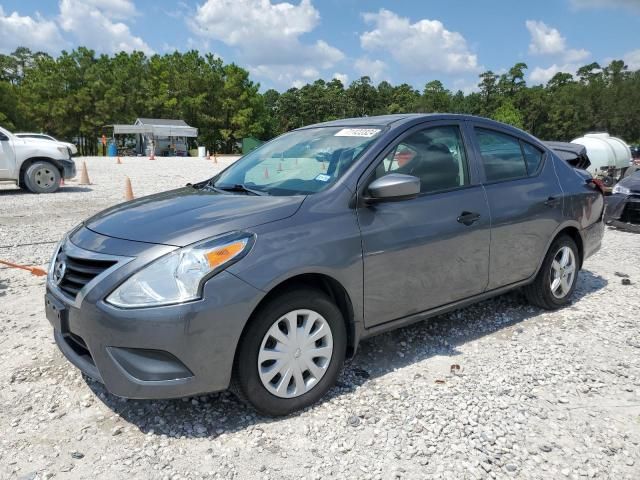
pixel 468 218
pixel 552 202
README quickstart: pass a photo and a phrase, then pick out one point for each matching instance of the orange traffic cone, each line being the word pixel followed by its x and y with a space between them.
pixel 128 191
pixel 62 181
pixel 84 175
pixel 118 161
pixel 152 156
pixel 266 172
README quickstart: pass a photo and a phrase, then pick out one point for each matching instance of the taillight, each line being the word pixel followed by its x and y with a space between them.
pixel 598 183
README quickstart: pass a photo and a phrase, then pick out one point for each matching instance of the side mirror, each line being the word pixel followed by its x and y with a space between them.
pixel 395 186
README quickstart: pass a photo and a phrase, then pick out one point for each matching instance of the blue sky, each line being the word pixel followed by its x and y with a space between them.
pixel 293 42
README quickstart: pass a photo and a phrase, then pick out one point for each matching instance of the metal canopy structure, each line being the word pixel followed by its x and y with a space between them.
pixel 161 136
pixel 157 130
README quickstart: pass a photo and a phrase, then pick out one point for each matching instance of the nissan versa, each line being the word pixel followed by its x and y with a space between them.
pixel 266 276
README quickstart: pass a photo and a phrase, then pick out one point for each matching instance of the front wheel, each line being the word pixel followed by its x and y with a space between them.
pixel 42 177
pixel 557 278
pixel 291 353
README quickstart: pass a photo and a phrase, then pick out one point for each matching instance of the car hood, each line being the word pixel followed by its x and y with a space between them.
pixel 34 147
pixel 186 215
pixel 632 182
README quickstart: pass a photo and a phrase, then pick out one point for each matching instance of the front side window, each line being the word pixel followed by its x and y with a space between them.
pixel 301 162
pixel 435 155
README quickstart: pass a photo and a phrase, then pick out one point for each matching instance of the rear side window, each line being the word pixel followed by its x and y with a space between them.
pixel 501 155
pixel 532 157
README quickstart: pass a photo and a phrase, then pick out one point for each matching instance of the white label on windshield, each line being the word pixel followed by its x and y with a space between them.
pixel 357 132
pixel 323 178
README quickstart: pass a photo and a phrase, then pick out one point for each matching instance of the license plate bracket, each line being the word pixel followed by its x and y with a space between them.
pixel 57 313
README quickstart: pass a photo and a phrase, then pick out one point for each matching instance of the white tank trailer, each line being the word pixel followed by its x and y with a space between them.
pixel 610 156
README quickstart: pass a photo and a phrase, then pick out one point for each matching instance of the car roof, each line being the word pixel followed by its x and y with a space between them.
pixel 400 119
pixel 32 133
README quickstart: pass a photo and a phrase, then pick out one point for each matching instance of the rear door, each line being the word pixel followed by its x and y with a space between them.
pixel 431 250
pixel 525 200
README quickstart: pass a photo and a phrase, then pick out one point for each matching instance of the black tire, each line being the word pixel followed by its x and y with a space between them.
pixel 539 292
pixel 246 383
pixel 42 177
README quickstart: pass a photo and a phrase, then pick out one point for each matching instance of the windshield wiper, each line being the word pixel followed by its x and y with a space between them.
pixel 239 187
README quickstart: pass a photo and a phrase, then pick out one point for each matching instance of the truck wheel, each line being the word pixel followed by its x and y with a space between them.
pixel 557 278
pixel 291 352
pixel 42 177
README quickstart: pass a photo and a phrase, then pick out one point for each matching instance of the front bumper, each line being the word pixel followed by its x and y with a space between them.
pixel 68 169
pixel 623 211
pixel 161 352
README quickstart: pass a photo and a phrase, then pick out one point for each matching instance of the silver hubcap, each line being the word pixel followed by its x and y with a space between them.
pixel 563 272
pixel 295 353
pixel 44 177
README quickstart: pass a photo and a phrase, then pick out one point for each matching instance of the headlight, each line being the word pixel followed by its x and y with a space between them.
pixel 178 276
pixel 621 189
pixel 54 256
pixel 64 151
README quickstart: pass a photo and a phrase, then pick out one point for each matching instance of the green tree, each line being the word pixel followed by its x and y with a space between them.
pixel 507 113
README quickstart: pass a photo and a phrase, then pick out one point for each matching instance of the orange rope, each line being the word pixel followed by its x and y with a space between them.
pixel 38 272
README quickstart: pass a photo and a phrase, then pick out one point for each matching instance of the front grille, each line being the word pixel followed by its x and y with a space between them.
pixel 79 272
pixel 631 212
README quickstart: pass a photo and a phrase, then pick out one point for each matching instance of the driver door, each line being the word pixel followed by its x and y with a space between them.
pixel 431 250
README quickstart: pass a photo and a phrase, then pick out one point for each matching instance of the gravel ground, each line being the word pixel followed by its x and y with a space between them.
pixel 497 390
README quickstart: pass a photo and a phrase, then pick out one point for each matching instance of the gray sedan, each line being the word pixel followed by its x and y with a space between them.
pixel 267 276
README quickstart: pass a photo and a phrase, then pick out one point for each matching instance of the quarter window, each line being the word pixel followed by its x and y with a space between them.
pixel 435 155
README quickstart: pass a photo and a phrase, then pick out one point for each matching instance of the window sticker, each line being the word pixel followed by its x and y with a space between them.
pixel 357 132
pixel 323 178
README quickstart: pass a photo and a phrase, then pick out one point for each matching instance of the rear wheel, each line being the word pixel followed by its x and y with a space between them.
pixel 42 177
pixel 557 278
pixel 291 353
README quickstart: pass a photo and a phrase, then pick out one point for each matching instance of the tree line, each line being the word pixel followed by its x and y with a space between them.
pixel 76 95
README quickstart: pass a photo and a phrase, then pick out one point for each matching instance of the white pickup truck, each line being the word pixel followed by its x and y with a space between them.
pixel 34 165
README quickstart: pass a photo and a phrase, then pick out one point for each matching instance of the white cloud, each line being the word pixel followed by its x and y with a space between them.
pixel 543 75
pixel 94 24
pixel 576 55
pixel 375 69
pixel 114 9
pixel 266 35
pixel 343 77
pixel 466 85
pixel 546 40
pixel 632 59
pixel 424 46
pixel 631 4
pixel 286 75
pixel 36 33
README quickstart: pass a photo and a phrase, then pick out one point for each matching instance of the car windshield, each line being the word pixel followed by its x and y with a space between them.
pixel 301 162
